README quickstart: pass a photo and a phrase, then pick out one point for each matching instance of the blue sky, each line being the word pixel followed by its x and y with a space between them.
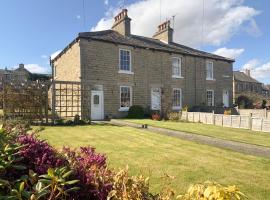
pixel 33 30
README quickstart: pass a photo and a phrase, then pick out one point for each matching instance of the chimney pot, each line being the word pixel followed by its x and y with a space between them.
pixel 165 32
pixel 122 23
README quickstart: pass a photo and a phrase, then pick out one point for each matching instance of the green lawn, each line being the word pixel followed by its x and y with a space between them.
pixel 234 134
pixel 155 155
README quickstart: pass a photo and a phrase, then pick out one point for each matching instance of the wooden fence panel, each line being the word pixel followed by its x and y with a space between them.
pixel 190 117
pixel 227 121
pixel 236 119
pixel 209 118
pixel 257 124
pixel 203 118
pixel 196 117
pixel 266 125
pixel 218 119
pixel 244 122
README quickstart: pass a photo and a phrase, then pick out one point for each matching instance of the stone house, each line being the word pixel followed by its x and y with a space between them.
pixel 125 69
pixel 19 74
pixel 244 84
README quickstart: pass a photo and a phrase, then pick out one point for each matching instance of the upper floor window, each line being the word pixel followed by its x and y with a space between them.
pixel 209 70
pixel 177 99
pixel 125 98
pixel 210 97
pixel 176 67
pixel 124 60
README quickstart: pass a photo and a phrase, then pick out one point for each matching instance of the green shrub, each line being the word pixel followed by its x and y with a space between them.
pixel 136 112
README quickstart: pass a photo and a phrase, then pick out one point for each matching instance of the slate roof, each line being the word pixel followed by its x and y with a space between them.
pixel 241 76
pixel 143 42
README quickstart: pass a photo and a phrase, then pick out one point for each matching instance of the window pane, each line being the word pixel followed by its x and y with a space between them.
pixel 209 70
pixel 96 99
pixel 176 98
pixel 125 97
pixel 124 60
pixel 176 66
pixel 210 98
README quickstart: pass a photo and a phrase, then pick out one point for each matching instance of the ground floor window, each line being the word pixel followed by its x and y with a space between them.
pixel 125 98
pixel 210 97
pixel 177 99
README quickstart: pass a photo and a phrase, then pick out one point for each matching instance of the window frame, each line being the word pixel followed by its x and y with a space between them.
pixel 212 74
pixel 181 99
pixel 130 62
pixel 213 97
pixel 180 67
pixel 123 109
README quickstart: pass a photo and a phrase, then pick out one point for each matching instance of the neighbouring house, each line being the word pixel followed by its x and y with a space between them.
pixel 19 74
pixel 245 85
pixel 155 72
pixel 266 90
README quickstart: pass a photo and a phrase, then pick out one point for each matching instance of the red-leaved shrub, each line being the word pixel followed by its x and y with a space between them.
pixel 156 116
pixel 91 169
pixel 38 155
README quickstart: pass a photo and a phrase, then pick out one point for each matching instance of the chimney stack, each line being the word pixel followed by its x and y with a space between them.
pixel 122 23
pixel 164 33
pixel 21 66
pixel 247 72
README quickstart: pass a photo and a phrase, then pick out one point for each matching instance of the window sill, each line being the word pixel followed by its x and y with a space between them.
pixel 210 79
pixel 178 77
pixel 125 72
pixel 123 109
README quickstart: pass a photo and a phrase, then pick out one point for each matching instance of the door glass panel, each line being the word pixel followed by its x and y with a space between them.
pixel 96 99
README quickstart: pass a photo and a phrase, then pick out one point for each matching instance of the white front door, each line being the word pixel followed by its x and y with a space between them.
pixel 97 105
pixel 155 98
pixel 225 98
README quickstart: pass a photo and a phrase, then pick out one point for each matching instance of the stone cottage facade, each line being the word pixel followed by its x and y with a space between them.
pixel 244 84
pixel 125 69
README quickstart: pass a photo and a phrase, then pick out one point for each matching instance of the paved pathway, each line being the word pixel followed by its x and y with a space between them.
pixel 216 142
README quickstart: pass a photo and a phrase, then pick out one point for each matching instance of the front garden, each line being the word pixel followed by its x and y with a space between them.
pixel 167 161
pixel 32 169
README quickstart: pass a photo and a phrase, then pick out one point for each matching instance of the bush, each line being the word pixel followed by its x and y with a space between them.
pixel 39 155
pixel 136 112
pixel 228 112
pixel 244 102
pixel 156 116
pixel 174 116
pixel 264 102
pixel 131 188
pixel 90 168
pixel 213 191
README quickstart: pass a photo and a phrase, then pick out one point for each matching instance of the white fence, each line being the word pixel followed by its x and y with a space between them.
pixel 255 112
pixel 233 121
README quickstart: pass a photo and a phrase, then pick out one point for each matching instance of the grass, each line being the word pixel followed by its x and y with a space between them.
pixel 233 134
pixel 157 155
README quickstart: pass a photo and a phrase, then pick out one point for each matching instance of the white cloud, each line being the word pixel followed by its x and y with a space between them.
pixel 53 55
pixel 229 53
pixel 35 68
pixel 106 2
pixel 252 64
pixel 258 70
pixel 44 56
pixel 222 20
